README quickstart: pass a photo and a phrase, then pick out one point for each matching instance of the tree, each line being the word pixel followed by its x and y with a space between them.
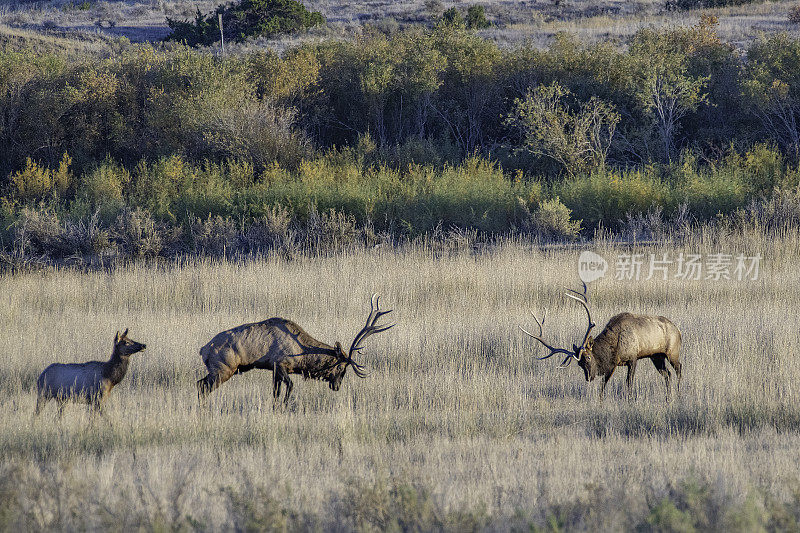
pixel 578 140
pixel 662 83
pixel 772 86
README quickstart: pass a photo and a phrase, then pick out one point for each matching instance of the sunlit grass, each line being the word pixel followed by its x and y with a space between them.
pixel 454 402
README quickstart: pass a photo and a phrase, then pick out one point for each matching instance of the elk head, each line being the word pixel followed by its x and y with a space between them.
pixel 582 353
pixel 339 367
pixel 123 346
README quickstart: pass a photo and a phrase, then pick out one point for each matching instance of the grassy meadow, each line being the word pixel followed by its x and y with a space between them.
pixel 456 427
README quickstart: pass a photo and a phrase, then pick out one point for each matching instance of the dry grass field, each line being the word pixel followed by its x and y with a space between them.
pixel 456 427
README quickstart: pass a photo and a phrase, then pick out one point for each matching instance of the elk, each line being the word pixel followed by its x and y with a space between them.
pixel 88 382
pixel 626 339
pixel 282 346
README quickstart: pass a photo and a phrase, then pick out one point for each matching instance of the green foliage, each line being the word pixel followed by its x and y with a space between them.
pixel 578 140
pixel 452 17
pixel 663 85
pixel 794 14
pixel 268 18
pixel 552 220
pixel 204 31
pixel 36 182
pixel 772 85
pixel 248 18
pixel 397 506
pixel 476 18
pixel 705 4
pixel 668 518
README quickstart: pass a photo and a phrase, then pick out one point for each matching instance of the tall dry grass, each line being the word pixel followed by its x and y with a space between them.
pixel 457 426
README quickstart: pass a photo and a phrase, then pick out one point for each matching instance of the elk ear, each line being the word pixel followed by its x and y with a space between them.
pixel 125 334
pixel 116 337
pixel 339 347
pixel 590 342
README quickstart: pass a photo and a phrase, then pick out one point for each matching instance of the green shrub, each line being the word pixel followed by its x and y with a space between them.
pixel 476 18
pixel 452 17
pixel 794 14
pixel 248 18
pixel 104 184
pixel 552 220
pixel 606 196
pixel 668 518
pixel 705 4
pixel 35 181
pixel 204 31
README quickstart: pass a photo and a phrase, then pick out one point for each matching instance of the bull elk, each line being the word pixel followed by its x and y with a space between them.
pixel 86 382
pixel 625 339
pixel 282 346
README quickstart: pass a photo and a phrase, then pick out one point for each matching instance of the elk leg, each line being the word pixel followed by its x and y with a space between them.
pixel 677 366
pixel 660 362
pixel 277 380
pixel 289 387
pixel 40 401
pixel 631 373
pixel 217 375
pixel 605 381
pixel 206 385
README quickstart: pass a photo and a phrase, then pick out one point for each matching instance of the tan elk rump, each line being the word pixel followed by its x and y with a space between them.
pixel 86 382
pixel 282 346
pixel 626 339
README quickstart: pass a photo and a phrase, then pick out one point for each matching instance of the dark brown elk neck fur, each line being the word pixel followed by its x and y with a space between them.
pixel 605 345
pixel 320 362
pixel 317 366
pixel 115 368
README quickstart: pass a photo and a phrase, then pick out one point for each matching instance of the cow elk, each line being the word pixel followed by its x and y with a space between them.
pixel 625 339
pixel 282 346
pixel 86 382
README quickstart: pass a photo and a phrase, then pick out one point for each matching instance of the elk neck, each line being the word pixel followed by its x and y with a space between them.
pixel 115 368
pixel 604 355
pixel 319 364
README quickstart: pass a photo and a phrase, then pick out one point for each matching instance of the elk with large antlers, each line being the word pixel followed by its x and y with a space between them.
pixel 625 339
pixel 282 346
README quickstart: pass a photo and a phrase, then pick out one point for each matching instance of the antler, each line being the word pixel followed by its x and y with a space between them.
pixel 583 299
pixel 368 330
pixel 553 350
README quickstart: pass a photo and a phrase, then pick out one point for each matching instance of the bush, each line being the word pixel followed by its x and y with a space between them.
pixel 452 17
pixel 137 233
pixel 35 182
pixel 704 4
pixel 794 14
pixel 606 196
pixel 104 184
pixel 552 221
pixel 248 18
pixel 476 18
